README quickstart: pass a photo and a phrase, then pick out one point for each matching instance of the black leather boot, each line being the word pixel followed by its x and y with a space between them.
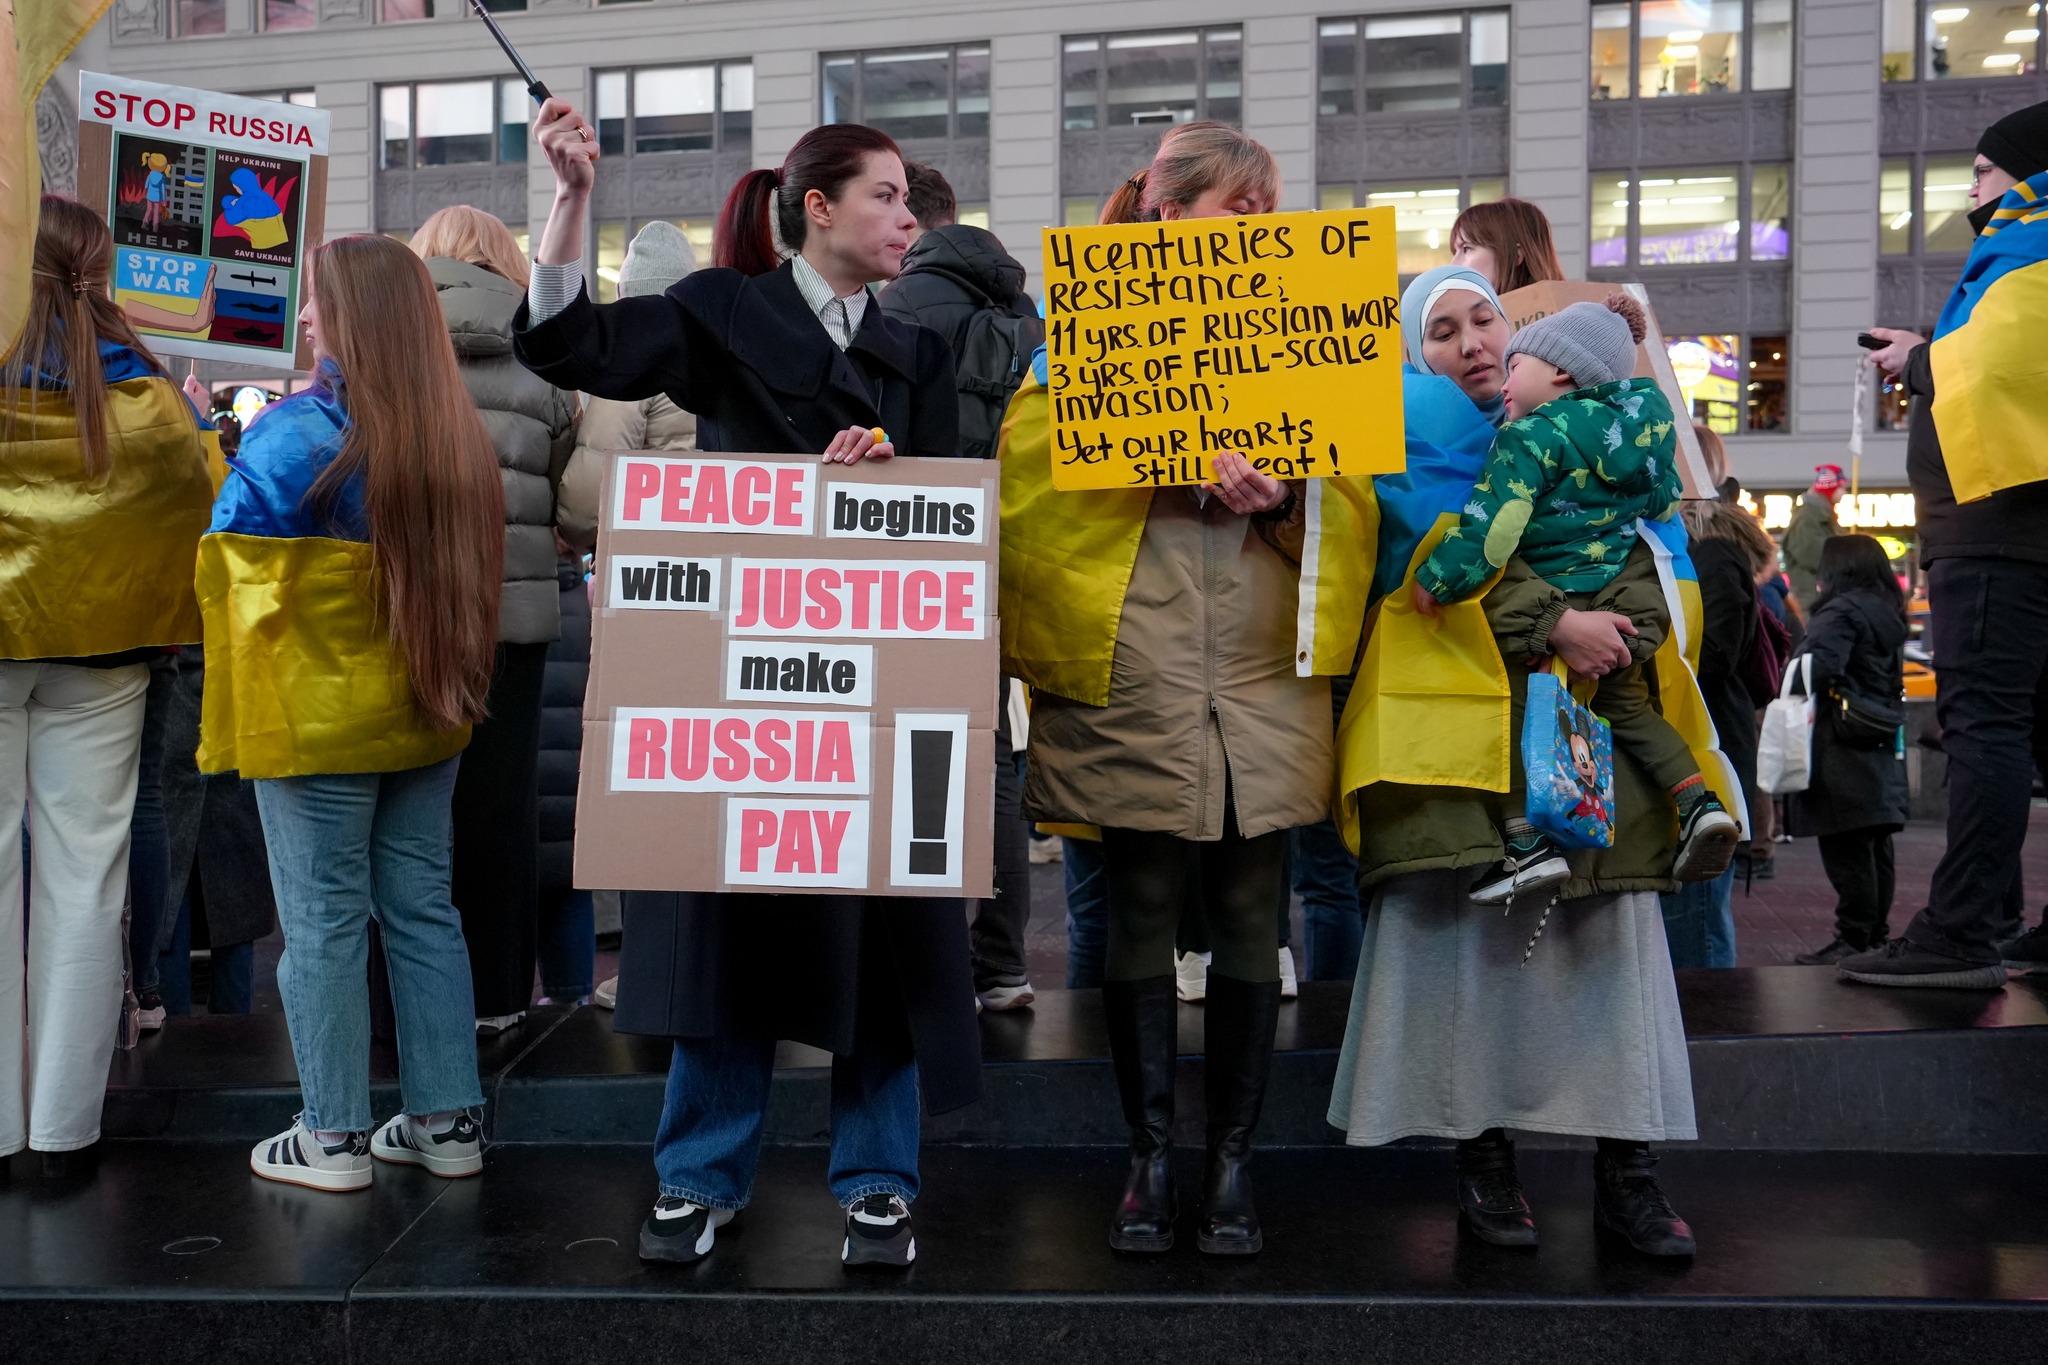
pixel 1629 1204
pixel 1144 1048
pixel 1491 1204
pixel 1241 1016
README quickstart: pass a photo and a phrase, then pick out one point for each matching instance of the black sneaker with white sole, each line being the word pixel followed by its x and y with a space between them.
pixel 1707 836
pixel 878 1232
pixel 1530 866
pixel 680 1232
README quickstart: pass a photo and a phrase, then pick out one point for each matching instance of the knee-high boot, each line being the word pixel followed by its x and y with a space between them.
pixel 1143 1047
pixel 1241 1016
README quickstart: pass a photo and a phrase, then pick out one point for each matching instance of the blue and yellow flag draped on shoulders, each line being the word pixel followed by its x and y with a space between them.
pixel 302 674
pixel 1990 366
pixel 101 565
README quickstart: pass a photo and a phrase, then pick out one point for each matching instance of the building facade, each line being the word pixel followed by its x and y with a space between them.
pixel 1780 173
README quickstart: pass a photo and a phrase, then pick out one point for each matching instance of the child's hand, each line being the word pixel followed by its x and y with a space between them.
pixel 1427 605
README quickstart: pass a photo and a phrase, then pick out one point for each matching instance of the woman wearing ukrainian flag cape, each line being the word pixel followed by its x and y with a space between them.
pixel 1452 1034
pixel 103 497
pixel 350 588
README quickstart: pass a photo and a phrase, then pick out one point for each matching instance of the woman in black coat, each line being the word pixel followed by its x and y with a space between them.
pixel 777 356
pixel 1857 800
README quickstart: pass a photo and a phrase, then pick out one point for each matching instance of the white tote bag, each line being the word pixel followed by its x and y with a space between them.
pixel 1784 751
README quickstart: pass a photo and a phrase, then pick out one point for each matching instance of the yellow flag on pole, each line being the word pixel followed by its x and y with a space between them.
pixel 35 36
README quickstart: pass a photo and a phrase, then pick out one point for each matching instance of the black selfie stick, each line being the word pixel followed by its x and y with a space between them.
pixel 541 94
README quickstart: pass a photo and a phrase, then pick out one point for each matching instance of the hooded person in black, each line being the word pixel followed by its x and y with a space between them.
pixel 959 282
pixel 1987 586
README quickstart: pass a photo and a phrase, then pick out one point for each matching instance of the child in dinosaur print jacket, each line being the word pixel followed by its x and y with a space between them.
pixel 1587 452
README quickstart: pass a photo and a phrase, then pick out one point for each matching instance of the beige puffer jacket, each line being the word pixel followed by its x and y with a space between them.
pixel 609 426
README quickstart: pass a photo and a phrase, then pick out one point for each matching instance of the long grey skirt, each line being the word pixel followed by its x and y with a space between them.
pixel 1449 1035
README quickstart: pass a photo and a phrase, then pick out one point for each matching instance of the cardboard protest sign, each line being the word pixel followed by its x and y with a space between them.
pixel 1534 301
pixel 793 678
pixel 1277 336
pixel 214 201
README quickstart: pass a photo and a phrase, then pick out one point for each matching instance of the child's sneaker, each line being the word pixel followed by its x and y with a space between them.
pixel 1530 865
pixel 1706 841
pixel 298 1157
pixel 456 1151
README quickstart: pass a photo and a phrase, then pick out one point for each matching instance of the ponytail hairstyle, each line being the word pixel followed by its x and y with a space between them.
pixel 1194 158
pixel 470 235
pixel 69 315
pixel 435 504
pixel 767 207
pixel 1518 235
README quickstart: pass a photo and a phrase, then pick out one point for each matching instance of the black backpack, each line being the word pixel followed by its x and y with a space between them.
pixel 990 363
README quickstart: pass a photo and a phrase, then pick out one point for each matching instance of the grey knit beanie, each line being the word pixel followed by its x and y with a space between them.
pixel 1593 343
pixel 659 256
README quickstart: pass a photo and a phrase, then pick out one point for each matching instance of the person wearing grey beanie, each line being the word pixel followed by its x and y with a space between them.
pixel 658 256
pixel 1587 454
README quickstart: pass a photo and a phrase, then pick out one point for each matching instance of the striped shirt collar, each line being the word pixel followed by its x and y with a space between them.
pixel 840 316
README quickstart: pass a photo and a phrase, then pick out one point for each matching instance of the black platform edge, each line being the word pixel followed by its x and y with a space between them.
pixel 1363 1265
pixel 1972 1078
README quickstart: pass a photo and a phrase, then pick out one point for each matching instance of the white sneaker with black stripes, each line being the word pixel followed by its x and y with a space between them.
pixel 878 1232
pixel 298 1157
pixel 456 1151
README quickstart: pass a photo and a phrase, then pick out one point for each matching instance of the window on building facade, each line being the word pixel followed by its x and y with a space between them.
pixel 452 123
pixel 1412 63
pixel 1923 205
pixel 1124 80
pixel 1931 40
pixel 923 93
pixel 279 15
pixel 199 18
pixel 701 108
pixel 1728 386
pixel 1423 213
pixel 404 11
pixel 1655 48
pixel 1692 216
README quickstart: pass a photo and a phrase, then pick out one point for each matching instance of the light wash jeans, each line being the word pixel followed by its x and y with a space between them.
pixel 709 1141
pixel 344 849
pixel 70 746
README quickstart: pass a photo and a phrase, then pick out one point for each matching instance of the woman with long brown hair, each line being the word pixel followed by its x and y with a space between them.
pixel 778 355
pixel 350 587
pixel 104 490
pixel 1508 241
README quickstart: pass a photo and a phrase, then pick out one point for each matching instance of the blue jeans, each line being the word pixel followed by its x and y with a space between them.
pixel 344 849
pixel 1325 876
pixel 1087 913
pixel 1699 923
pixel 709 1139
pixel 568 944
pixel 149 835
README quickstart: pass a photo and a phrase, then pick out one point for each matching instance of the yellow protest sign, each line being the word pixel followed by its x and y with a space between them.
pixel 1277 336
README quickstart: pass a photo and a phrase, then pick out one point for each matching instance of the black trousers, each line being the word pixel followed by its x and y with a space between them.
pixel 1990 624
pixel 999 923
pixel 1155 878
pixel 1860 868
pixel 496 877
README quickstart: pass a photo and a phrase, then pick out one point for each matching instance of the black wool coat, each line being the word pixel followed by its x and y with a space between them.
pixel 842 973
pixel 1857 642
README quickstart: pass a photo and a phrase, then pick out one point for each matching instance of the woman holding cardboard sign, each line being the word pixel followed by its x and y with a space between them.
pixel 777 356
pixel 1457 1029
pixel 1158 629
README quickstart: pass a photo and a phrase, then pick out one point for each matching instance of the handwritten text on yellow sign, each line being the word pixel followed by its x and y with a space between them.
pixel 1277 336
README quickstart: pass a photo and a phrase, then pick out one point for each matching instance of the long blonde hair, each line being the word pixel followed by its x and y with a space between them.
pixel 69 314
pixel 1194 158
pixel 435 502
pixel 1711 519
pixel 462 233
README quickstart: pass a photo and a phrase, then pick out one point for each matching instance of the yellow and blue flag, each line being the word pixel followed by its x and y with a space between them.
pixel 1990 368
pixel 302 673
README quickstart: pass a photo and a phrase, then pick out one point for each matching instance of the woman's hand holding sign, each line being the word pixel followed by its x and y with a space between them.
pixel 855 444
pixel 1245 490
